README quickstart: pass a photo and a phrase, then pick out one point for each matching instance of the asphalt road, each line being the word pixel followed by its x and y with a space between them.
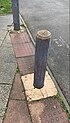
pixel 54 16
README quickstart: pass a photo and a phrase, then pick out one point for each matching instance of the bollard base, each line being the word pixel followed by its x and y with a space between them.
pixel 32 93
pixel 38 86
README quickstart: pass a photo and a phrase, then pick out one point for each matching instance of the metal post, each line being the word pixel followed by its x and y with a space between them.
pixel 42 45
pixel 15 11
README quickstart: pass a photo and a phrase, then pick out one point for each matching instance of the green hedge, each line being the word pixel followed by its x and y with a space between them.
pixel 5 6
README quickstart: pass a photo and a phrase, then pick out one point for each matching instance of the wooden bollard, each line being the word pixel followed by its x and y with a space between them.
pixel 41 51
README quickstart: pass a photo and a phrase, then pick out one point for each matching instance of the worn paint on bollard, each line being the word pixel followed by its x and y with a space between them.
pixel 42 45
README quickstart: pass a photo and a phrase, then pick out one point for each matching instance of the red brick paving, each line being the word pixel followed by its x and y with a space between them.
pixel 22 50
pixel 47 111
pixel 19 38
pixel 17 112
pixel 26 65
pixel 17 89
pixel 43 111
pixel 22 45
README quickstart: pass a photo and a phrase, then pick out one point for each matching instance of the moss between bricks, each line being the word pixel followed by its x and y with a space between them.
pixel 62 105
pixel 17 70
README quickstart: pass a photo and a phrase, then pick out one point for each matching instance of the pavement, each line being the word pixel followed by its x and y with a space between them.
pixel 7 64
pixel 54 16
pixel 16 60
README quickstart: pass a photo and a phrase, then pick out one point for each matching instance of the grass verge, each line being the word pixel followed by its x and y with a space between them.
pixel 5 7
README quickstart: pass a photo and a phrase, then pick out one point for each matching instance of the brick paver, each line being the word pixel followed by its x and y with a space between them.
pixel 22 45
pixel 17 112
pixel 17 89
pixel 19 38
pixel 22 50
pixel 26 65
pixel 47 111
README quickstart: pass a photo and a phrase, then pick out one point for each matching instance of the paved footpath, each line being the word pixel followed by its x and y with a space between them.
pixel 14 107
pixel 7 64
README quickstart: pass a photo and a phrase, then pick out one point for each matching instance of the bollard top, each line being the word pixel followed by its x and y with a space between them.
pixel 43 34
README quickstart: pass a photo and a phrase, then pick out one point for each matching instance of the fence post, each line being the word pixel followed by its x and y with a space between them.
pixel 15 11
pixel 41 51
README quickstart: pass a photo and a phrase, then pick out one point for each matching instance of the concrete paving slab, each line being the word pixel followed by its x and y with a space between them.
pixel 1 119
pixel 2 34
pixel 32 93
pixel 47 111
pixel 4 96
pixel 5 20
pixel 7 54
pixel 7 65
pixel 7 41
pixel 6 51
pixel 17 92
pixel 17 112
pixel 7 72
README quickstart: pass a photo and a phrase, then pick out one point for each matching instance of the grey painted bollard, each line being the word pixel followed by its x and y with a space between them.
pixel 41 50
pixel 15 11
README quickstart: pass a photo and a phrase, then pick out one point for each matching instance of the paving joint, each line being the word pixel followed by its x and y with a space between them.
pixel 9 95
pixel 3 40
pixel 18 99
pixel 10 98
pixel 11 90
pixel 26 100
pixel 24 56
pixel 5 84
pixel 27 103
